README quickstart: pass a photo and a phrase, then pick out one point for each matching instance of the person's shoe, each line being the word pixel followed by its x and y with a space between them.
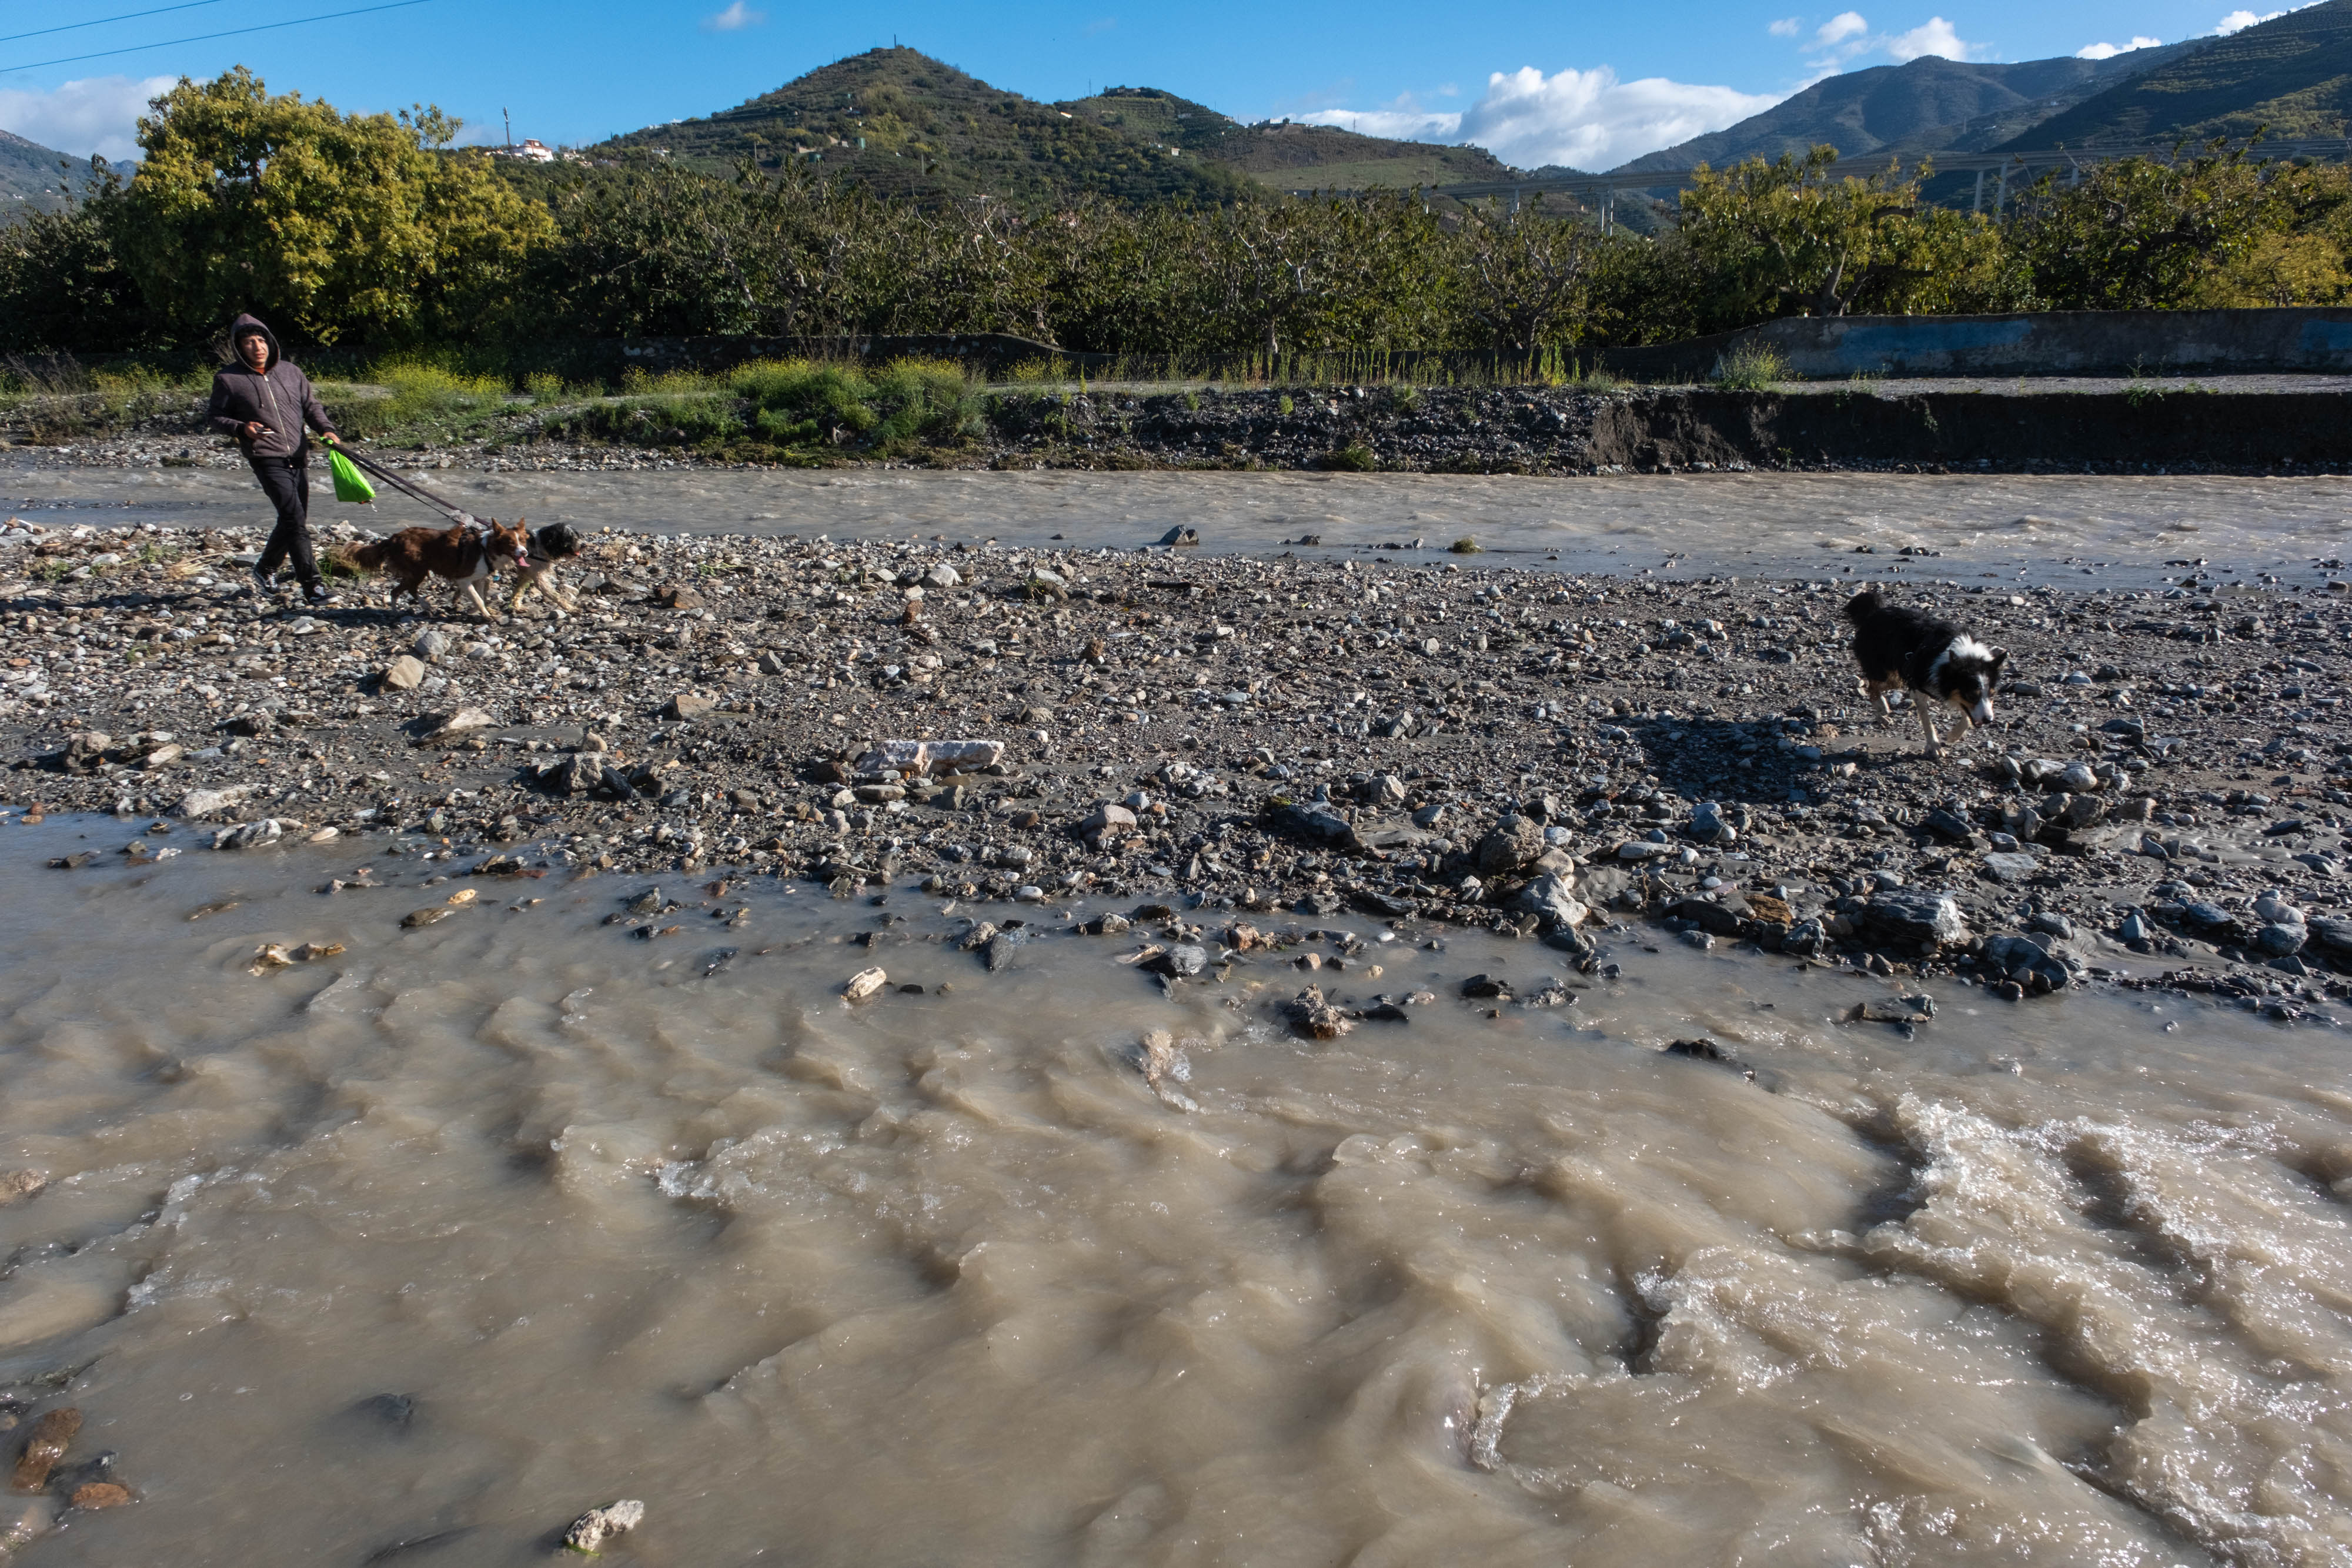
pixel 267 581
pixel 315 593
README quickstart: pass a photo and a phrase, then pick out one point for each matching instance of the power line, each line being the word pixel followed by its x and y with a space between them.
pixel 204 38
pixel 102 21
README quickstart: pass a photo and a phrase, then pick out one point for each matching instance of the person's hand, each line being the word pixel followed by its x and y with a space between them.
pixel 255 430
pixel 329 437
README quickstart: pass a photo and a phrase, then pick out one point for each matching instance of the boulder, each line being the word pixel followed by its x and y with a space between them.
pixel 199 804
pixel 1914 915
pixel 1312 826
pixel 578 774
pixel 686 705
pixel 2006 866
pixel 1515 841
pixel 2034 961
pixel 1552 899
pixel 1708 916
pixel 1107 820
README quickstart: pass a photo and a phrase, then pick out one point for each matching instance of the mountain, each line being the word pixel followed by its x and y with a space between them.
pixel 30 175
pixel 1929 105
pixel 910 125
pixel 2291 74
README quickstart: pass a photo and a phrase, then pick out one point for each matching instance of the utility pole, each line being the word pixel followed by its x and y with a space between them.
pixel 508 116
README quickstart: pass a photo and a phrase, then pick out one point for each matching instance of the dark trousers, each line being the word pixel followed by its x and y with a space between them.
pixel 287 482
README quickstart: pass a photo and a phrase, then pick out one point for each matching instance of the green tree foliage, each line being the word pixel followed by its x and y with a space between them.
pixel 338 227
pixel 372 231
pixel 62 283
pixel 2143 233
pixel 1790 237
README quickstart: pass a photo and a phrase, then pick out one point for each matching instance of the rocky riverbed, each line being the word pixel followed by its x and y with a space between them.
pixel 1249 741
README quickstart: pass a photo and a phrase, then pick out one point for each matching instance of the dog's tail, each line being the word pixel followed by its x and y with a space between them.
pixel 1863 605
pixel 360 559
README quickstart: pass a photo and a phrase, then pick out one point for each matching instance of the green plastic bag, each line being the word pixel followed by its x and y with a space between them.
pixel 351 484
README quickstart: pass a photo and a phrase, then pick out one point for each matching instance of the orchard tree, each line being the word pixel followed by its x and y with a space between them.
pixel 333 227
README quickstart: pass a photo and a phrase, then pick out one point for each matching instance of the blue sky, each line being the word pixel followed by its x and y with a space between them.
pixel 1591 84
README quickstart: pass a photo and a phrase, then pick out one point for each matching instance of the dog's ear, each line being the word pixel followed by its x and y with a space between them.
pixel 1999 657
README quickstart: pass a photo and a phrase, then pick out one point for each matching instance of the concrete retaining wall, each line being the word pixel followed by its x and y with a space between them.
pixel 2292 340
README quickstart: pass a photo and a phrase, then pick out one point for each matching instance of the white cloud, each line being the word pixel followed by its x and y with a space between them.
pixel 737 16
pixel 2239 21
pixel 2109 51
pixel 1933 36
pixel 98 114
pixel 1846 37
pixel 1786 28
pixel 1588 120
pixel 1839 28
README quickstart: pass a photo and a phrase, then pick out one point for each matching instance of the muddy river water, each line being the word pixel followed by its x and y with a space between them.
pixel 413 1253
pixel 2064 529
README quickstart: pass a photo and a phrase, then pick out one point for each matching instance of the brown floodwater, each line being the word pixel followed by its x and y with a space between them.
pixel 2081 530
pixel 414 1253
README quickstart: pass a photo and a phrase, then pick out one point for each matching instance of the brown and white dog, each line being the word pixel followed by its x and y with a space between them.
pixel 548 546
pixel 466 555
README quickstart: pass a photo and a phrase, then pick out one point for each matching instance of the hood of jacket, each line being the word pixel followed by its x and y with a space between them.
pixel 253 326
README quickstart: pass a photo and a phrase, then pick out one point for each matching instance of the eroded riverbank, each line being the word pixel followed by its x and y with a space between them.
pixel 421 1248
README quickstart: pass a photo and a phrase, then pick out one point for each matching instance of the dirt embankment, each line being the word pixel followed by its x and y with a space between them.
pixel 1483 430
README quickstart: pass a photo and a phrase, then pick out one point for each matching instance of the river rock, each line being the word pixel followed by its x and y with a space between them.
pixel 46 1445
pixel 593 1530
pixel 2280 939
pixel 2034 961
pixel 1311 1017
pixel 199 804
pixel 250 835
pixel 1709 825
pixel 1315 827
pixel 1515 841
pixel 579 773
pixel 1914 915
pixel 404 674
pixel 1713 918
pixel 1106 821
pixel 1552 899
pixel 1179 962
pixel 432 645
pixel 2010 866
pixel 863 984
pixel 686 705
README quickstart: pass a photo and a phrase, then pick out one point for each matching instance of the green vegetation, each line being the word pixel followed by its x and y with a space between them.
pixel 2290 76
pixel 795 412
pixel 323 225
pixel 1751 367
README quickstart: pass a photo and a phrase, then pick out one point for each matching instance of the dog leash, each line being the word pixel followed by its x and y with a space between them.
pixel 450 509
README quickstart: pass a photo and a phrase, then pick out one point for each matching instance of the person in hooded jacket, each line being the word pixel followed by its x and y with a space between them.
pixel 265 403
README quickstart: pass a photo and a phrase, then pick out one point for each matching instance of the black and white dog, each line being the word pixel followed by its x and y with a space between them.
pixel 553 543
pixel 1925 655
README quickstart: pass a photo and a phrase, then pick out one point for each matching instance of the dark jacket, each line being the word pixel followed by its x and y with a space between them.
pixel 280 395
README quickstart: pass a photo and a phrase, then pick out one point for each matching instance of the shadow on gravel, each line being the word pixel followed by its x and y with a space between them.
pixel 1715 759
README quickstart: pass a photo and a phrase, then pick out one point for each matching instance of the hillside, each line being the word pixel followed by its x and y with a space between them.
pixel 30 175
pixel 2291 74
pixel 1929 105
pixel 910 125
